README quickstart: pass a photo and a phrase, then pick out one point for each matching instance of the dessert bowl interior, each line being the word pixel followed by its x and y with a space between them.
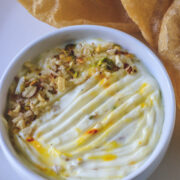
pixel 74 33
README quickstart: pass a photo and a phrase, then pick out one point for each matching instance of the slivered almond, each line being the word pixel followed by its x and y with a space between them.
pixel 40 98
pixel 20 85
pixel 60 83
pixel 14 112
pixel 27 132
pixel 28 113
pixel 21 124
pixel 29 92
pixel 17 119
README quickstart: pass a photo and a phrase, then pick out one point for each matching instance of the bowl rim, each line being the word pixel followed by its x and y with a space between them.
pixel 26 172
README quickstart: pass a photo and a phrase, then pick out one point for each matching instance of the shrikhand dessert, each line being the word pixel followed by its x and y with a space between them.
pixel 86 110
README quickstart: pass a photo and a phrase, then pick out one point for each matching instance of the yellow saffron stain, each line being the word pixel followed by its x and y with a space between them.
pixel 47 171
pixel 66 154
pixel 39 134
pixel 91 71
pixel 93 93
pixel 78 130
pixel 54 152
pixel 128 120
pixel 143 105
pixel 87 134
pixel 102 81
pixel 140 143
pixel 40 149
pixel 106 157
pixel 105 83
pixel 81 140
pixel 132 163
pixel 100 77
pixel 47 153
pixel 85 148
pixel 141 89
pixel 112 145
pixel 112 92
pixel 105 119
pixel 106 124
pixel 109 157
pixel 151 102
pixel 79 159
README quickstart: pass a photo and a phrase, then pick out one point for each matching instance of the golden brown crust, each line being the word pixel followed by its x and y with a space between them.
pixel 169 45
pixel 59 13
pixel 169 37
pixel 147 15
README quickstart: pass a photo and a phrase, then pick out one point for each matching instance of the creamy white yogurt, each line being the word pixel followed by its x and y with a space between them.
pixel 101 129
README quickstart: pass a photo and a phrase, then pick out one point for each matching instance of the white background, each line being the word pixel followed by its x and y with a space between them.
pixel 17 28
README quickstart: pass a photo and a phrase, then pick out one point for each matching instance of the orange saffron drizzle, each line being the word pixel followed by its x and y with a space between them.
pixel 92 131
pixel 29 139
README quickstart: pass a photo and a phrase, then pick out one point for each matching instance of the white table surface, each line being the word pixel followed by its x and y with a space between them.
pixel 17 28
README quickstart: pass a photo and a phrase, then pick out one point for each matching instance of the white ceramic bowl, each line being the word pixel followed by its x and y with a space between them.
pixel 72 33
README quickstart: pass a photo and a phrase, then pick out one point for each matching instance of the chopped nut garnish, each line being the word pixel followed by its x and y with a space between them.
pixel 40 98
pixel 121 52
pixel 29 92
pixel 64 68
pixel 56 56
pixel 69 47
pixel 20 85
pixel 126 65
pixel 61 83
pixel 27 132
pixel 52 90
pixel 28 113
pixel 80 60
pixel 14 112
pixel 19 122
pixel 129 69
pixel 33 83
pixel 98 49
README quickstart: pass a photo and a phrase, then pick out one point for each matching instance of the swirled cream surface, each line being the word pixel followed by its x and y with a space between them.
pixel 89 110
